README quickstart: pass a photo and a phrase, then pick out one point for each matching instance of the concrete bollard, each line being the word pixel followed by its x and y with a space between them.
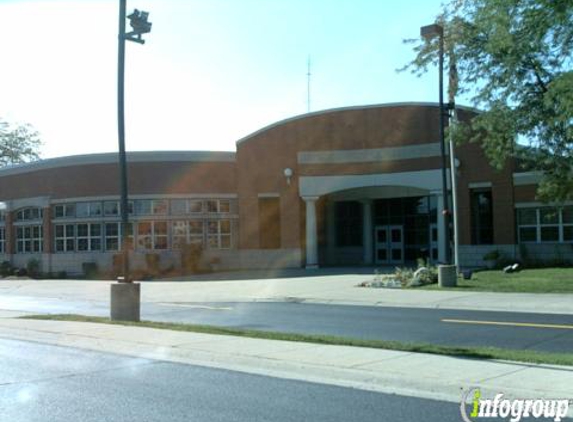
pixel 125 301
pixel 447 276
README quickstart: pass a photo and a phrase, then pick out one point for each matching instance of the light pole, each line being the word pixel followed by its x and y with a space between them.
pixel 125 295
pixel 429 32
pixel 452 90
pixel 453 179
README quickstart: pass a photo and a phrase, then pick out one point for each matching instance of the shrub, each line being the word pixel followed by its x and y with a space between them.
pixel 190 257
pixel 428 276
pixel 424 274
pixel 404 275
pixel 90 270
pixel 152 263
pixel 524 253
pixel 33 267
pixel 492 255
pixel 6 269
pixel 214 263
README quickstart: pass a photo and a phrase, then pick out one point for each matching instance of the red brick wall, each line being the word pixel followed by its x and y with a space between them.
pixel 262 158
pixel 103 179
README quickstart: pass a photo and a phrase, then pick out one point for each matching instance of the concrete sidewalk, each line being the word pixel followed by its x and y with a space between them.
pixel 404 373
pixel 338 287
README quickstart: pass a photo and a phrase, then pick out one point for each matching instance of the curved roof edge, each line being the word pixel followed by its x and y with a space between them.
pixel 112 157
pixel 336 109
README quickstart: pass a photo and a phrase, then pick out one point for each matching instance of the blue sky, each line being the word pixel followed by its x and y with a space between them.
pixel 211 72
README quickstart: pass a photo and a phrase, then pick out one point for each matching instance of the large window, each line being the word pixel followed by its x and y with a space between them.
pixel 152 235
pixel 179 206
pixel 546 224
pixel 81 237
pixel 186 233
pixel 219 234
pixel 348 218
pixel 80 210
pixel 219 206
pixel 31 213
pixel 89 237
pixel 567 223
pixel 481 217
pixel 94 225
pixel 65 237
pixel 64 210
pixel 88 209
pixel 186 206
pixel 151 206
pixel 112 236
pixel 112 232
pixel 29 239
pixel 113 209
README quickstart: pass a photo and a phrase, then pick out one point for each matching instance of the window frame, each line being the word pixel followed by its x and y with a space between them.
pixel 218 235
pixel 539 225
pixel 32 240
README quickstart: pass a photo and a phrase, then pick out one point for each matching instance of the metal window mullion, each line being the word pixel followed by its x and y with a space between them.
pixel 89 236
pixel 188 231
pixel 538 221
pixel 560 225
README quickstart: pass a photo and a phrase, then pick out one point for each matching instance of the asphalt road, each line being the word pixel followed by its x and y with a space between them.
pixel 437 326
pixel 545 332
pixel 51 383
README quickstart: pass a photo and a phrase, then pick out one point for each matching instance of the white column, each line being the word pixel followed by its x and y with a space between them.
pixel 441 227
pixel 311 236
pixel 367 231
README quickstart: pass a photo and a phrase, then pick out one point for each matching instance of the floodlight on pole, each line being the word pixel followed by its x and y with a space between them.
pixel 139 24
pixel 429 32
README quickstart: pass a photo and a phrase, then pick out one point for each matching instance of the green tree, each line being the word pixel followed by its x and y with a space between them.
pixel 18 144
pixel 514 60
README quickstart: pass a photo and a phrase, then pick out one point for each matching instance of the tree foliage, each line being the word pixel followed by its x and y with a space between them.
pixel 514 58
pixel 18 144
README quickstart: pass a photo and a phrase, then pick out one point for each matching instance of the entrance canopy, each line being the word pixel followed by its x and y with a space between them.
pixel 315 186
pixel 365 200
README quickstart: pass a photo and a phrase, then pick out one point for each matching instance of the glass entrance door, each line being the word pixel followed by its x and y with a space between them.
pixel 389 244
pixel 434 242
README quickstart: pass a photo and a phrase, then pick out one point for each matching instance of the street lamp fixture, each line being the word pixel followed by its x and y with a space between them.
pixel 139 24
pixel 429 32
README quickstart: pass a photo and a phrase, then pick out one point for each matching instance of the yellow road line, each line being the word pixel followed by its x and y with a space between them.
pixel 510 324
pixel 211 308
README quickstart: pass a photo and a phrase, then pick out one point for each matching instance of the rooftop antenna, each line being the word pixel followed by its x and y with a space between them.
pixel 308 85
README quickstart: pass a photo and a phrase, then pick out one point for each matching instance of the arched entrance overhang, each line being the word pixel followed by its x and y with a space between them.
pixel 364 189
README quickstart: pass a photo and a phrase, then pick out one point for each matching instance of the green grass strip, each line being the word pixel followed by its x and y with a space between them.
pixel 542 280
pixel 528 356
